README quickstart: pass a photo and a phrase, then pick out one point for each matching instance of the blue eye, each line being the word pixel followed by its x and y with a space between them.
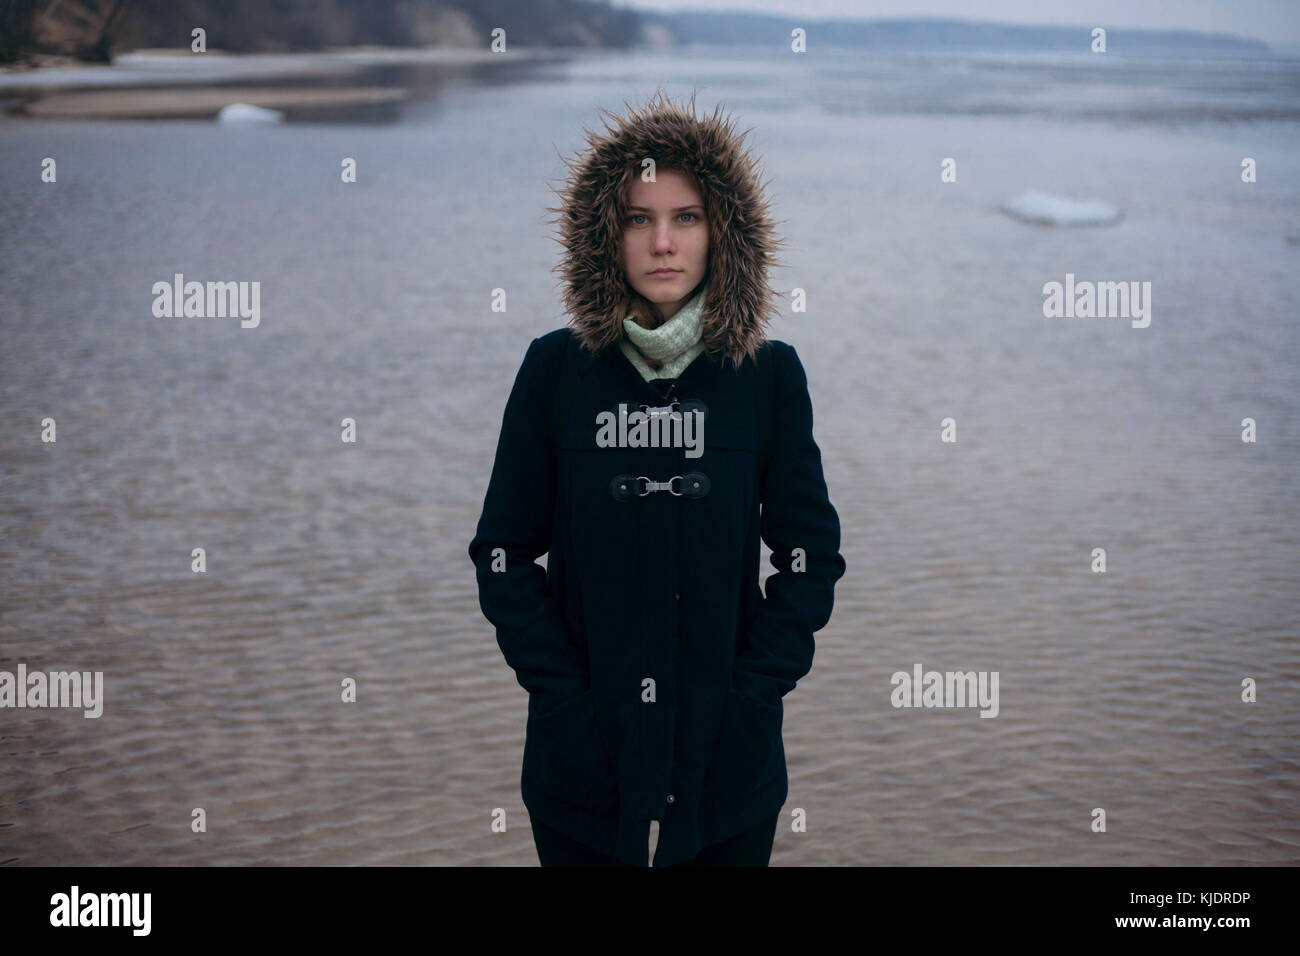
pixel 637 215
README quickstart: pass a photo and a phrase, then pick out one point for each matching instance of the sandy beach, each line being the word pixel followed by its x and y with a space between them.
pixel 165 67
pixel 61 88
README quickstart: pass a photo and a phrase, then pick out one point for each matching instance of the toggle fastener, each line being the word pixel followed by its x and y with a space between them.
pixel 677 407
pixel 693 484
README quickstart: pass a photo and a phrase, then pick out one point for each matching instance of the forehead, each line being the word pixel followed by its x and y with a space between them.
pixel 671 189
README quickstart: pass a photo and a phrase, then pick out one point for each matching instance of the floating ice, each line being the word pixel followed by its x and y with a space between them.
pixel 245 113
pixel 1050 210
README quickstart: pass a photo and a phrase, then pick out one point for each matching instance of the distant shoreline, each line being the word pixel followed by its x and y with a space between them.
pixel 176 66
pixel 178 84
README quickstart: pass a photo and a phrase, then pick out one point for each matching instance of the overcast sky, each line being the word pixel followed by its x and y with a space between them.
pixel 1274 21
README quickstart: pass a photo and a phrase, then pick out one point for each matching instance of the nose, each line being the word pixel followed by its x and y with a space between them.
pixel 663 239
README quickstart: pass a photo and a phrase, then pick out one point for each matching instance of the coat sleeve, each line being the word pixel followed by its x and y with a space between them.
pixel 777 648
pixel 517 514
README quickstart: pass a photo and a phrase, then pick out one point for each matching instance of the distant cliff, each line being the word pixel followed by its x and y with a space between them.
pixel 93 30
pixel 918 34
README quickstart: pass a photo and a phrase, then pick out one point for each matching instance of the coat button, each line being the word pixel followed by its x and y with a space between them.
pixel 671 798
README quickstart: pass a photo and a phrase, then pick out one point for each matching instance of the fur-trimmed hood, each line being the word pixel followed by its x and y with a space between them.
pixel 739 302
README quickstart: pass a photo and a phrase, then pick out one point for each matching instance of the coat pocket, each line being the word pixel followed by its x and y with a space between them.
pixel 749 753
pixel 565 757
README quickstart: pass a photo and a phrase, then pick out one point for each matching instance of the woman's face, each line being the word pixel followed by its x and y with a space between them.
pixel 665 230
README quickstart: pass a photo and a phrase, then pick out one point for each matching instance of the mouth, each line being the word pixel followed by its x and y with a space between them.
pixel 665 273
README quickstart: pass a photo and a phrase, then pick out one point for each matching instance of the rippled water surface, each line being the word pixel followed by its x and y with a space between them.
pixel 328 560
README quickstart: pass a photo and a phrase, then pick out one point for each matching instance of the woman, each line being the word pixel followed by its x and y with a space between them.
pixel 636 447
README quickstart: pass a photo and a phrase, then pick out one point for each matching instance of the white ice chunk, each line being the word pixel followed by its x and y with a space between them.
pixel 1051 210
pixel 246 113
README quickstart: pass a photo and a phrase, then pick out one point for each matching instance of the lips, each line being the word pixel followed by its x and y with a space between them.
pixel 665 273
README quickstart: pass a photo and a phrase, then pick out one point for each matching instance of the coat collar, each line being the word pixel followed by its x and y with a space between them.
pixel 701 373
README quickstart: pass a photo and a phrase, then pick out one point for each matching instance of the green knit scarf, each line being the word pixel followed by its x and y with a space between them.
pixel 666 351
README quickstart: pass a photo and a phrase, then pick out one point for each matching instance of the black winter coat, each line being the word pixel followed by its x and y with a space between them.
pixel 655 666
pixel 658 587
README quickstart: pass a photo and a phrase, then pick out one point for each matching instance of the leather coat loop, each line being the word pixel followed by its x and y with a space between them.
pixel 695 484
pixel 625 487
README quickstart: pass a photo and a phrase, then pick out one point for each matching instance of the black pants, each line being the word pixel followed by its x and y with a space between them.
pixel 753 847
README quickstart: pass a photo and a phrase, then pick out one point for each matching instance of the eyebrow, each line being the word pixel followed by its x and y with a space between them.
pixel 693 205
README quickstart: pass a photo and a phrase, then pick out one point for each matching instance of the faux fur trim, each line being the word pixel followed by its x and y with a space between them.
pixel 742 242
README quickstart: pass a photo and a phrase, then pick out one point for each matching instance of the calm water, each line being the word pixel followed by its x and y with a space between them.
pixel 326 560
